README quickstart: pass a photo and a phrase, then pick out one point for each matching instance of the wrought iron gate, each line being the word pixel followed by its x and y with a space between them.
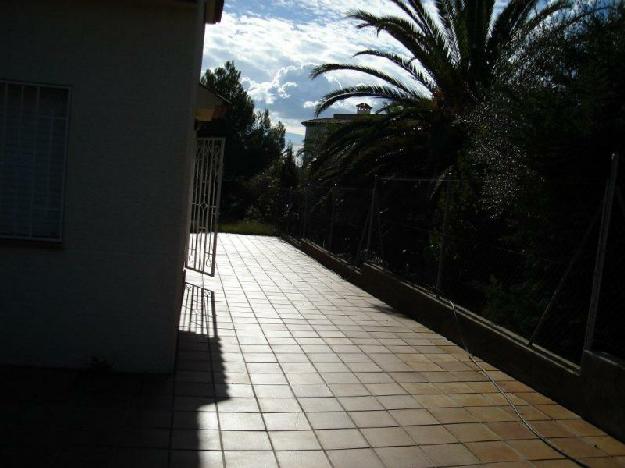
pixel 206 195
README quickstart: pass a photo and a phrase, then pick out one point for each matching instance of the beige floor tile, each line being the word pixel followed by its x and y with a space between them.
pixel 607 444
pixel 245 440
pixel 241 422
pixel 245 459
pixel 557 412
pixel 385 389
pixel 286 421
pixel 372 419
pixel 363 367
pixel 398 401
pixel 359 458
pixel 510 430
pixel 449 455
pixel 294 440
pixel 316 405
pixel 330 420
pixel 279 405
pixel 437 401
pixel 302 459
pixel 452 415
pixel 403 457
pixel 305 378
pixel 454 388
pixel 492 414
pixel 534 449
pixel 374 377
pixel 472 432
pixel 606 462
pixel 297 367
pixel 551 429
pixel 387 437
pixel 579 427
pixel 339 377
pixel 493 452
pixel 430 435
pixel 268 379
pixel 311 391
pixel 332 367
pixel 361 403
pixel 409 377
pixel 420 388
pixel 348 389
pixel 273 391
pixel 341 439
pixel 412 417
pixel 578 448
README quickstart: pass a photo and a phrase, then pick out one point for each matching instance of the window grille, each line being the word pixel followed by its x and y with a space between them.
pixel 33 145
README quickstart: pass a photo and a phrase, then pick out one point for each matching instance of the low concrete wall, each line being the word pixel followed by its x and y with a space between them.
pixel 595 391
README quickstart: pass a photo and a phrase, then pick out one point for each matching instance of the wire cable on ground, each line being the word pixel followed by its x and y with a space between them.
pixel 505 395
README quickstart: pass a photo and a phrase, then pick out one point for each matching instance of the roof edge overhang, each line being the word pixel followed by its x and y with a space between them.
pixel 209 105
pixel 213 9
pixel 213 12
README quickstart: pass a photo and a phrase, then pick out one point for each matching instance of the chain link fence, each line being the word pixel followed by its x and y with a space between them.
pixel 539 286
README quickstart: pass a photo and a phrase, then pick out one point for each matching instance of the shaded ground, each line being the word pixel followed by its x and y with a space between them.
pixel 286 363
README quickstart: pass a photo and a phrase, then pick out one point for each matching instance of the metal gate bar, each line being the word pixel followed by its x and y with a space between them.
pixel 206 196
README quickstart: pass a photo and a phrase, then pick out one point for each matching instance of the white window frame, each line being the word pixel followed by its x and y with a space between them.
pixel 4 88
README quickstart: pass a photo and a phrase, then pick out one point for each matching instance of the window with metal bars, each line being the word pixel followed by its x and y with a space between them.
pixel 33 145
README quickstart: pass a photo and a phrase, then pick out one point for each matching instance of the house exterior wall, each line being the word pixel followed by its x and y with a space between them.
pixel 111 292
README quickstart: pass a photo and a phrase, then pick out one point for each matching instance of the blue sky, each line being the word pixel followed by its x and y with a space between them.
pixel 275 43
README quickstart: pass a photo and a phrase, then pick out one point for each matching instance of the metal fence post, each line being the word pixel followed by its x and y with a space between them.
pixel 371 218
pixel 441 254
pixel 290 211
pixel 563 278
pixel 332 213
pixel 305 215
pixel 601 251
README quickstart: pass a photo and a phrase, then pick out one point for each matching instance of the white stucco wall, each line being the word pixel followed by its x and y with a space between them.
pixel 112 290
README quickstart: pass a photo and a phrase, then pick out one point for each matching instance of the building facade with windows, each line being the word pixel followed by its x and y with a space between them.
pixel 97 104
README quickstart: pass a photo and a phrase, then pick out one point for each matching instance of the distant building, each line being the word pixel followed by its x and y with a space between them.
pixel 318 130
pixel 97 143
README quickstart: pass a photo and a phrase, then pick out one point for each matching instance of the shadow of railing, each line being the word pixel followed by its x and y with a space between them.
pixel 199 383
pixel 69 418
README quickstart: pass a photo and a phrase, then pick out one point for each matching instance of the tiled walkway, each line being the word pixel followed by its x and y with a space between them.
pixel 285 364
pixel 308 370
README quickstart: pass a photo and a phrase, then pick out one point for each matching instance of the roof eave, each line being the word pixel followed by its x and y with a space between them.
pixel 213 12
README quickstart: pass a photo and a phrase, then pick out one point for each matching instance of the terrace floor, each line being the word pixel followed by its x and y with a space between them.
pixel 320 373
pixel 283 363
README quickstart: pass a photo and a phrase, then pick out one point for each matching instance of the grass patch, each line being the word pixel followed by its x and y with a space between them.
pixel 248 227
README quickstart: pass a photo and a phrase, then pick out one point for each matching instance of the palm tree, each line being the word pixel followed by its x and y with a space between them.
pixel 455 52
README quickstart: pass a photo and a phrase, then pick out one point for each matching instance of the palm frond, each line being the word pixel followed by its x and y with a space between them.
pixel 329 67
pixel 446 14
pixel 430 51
pixel 455 52
pixel 383 92
pixel 407 65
